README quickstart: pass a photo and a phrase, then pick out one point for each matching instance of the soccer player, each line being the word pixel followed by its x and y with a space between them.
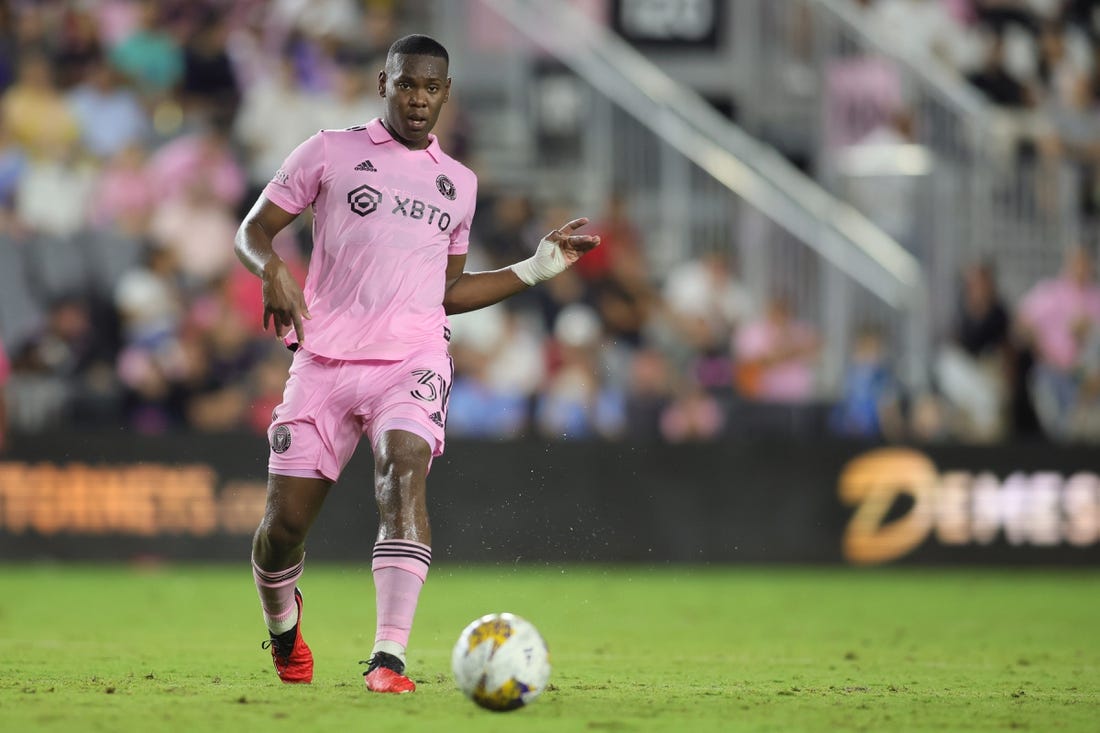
pixel 369 330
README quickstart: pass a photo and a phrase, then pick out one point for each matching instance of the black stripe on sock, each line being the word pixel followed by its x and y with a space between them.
pixel 399 546
pixel 421 558
pixel 402 551
pixel 280 575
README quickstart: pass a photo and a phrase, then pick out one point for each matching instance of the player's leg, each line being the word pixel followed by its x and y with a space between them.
pixel 402 553
pixel 278 557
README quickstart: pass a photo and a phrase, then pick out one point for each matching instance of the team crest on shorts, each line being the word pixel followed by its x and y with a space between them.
pixel 280 439
pixel 446 187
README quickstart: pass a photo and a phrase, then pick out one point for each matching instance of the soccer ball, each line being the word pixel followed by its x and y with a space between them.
pixel 501 662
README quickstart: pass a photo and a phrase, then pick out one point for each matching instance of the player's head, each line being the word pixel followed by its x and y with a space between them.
pixel 415 85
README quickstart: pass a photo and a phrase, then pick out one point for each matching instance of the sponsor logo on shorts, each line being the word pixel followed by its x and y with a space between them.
pixel 446 187
pixel 437 418
pixel 280 439
pixel 364 199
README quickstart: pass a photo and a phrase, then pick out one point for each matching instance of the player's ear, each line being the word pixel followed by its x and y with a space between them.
pixel 447 90
pixel 382 83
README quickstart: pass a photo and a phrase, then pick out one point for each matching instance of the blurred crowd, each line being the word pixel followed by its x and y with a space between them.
pixel 134 135
pixel 1038 61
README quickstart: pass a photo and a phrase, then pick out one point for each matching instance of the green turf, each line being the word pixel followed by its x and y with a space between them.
pixel 634 649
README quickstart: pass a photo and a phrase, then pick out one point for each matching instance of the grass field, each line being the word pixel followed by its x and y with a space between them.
pixel 95 648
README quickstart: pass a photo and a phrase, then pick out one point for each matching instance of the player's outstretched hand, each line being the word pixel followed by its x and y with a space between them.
pixel 558 250
pixel 284 302
pixel 572 245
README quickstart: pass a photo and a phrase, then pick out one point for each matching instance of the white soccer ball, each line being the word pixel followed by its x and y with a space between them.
pixel 501 662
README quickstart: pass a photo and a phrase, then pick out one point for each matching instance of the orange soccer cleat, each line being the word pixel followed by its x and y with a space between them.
pixel 386 673
pixel 293 659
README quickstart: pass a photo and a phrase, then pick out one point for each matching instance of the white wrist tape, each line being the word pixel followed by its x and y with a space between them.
pixel 547 262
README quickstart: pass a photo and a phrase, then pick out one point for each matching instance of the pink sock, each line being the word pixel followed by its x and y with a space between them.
pixel 276 590
pixel 400 567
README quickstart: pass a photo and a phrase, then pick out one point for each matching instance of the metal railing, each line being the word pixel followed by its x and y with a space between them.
pixel 699 181
pixel 974 198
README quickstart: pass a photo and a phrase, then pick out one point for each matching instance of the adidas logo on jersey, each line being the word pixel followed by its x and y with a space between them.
pixel 366 165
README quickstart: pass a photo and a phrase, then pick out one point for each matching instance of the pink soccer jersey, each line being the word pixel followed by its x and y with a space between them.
pixel 385 220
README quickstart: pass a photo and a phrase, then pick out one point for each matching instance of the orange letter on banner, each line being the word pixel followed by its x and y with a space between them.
pixel 873 482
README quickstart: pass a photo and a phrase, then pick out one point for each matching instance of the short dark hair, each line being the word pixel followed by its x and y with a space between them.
pixel 418 45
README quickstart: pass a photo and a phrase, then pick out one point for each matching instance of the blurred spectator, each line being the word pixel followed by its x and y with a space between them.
pixel 55 193
pixel 53 367
pixel 1055 319
pixel 223 354
pixel 994 80
pixel 499 366
pixel 76 44
pixel 337 19
pixel 35 112
pixel 351 101
pixel 973 367
pixel 148 55
pixel 124 193
pixel 877 184
pixel 116 20
pixel 620 241
pixel 209 86
pixel 378 26
pixel 508 227
pixel 648 393
pixel 870 397
pixel 153 360
pixel 576 401
pixel 925 26
pixel 693 415
pixel 149 300
pixel 1002 14
pixel 775 356
pixel 315 62
pixel 1085 14
pixel 276 95
pixel 202 158
pixel 199 229
pixel 1054 63
pixel 111 116
pixel 626 302
pixel 618 279
pixel 704 303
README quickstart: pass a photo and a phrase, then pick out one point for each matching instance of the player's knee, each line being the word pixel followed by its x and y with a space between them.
pixel 282 533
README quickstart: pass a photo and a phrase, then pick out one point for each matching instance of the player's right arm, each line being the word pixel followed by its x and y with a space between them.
pixel 284 303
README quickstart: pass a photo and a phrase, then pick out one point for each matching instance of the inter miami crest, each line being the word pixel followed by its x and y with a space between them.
pixel 364 199
pixel 280 439
pixel 446 187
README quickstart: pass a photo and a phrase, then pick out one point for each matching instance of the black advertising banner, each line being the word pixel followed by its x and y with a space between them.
pixel 113 496
pixel 689 24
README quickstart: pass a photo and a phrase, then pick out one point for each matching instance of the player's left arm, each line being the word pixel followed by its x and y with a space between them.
pixel 468 291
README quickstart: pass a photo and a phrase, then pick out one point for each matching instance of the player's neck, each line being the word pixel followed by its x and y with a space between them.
pixel 411 145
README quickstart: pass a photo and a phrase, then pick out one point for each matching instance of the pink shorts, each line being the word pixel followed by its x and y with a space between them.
pixel 329 404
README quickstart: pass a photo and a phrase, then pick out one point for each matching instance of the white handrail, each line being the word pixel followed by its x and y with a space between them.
pixel 753 171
